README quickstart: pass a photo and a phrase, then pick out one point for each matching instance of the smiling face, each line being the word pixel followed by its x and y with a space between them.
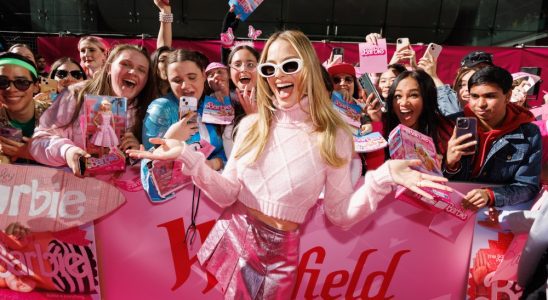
pixel 129 73
pixel 462 93
pixel 285 87
pixel 488 103
pixel 217 78
pixel 17 102
pixel 385 82
pixel 408 103
pixel 343 82
pixel 243 71
pixel 186 79
pixel 91 55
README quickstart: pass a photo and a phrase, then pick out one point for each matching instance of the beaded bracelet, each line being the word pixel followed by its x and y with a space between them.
pixel 166 18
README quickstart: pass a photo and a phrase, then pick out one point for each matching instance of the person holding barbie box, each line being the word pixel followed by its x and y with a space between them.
pixel 59 139
pixel 283 157
pixel 93 53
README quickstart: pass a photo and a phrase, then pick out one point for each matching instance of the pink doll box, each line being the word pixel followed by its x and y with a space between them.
pixel 406 143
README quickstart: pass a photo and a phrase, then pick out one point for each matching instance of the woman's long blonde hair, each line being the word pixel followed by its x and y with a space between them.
pixel 325 119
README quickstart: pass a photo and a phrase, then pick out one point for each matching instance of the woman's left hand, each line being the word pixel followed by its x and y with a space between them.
pixel 168 149
pixel 414 180
pixel 129 141
pixel 247 100
pixel 15 149
pixel 373 106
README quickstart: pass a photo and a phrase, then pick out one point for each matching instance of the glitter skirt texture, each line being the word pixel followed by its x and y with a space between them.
pixel 250 259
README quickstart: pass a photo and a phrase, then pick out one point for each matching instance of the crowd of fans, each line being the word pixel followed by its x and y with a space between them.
pixel 507 156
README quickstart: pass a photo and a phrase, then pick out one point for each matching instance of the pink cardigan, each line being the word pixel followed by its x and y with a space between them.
pixel 288 177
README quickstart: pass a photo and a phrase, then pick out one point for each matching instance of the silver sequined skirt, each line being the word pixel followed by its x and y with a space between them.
pixel 250 259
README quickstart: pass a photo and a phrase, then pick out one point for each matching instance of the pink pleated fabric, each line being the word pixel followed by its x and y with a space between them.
pixel 250 259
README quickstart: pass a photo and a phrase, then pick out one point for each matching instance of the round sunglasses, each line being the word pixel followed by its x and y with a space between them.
pixel 20 84
pixel 290 66
pixel 76 74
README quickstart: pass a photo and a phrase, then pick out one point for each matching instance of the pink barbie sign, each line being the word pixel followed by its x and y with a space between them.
pixel 373 58
pixel 46 199
pixel 147 252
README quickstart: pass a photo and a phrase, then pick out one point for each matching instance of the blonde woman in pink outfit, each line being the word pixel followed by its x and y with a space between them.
pixel 283 156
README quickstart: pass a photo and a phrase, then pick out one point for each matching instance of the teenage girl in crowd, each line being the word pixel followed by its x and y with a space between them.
pixel 66 71
pixel 93 54
pixel 59 139
pixel 19 111
pixel 282 159
pixel 186 76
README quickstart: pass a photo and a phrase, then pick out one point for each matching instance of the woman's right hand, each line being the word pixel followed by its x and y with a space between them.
pixel 72 157
pixel 168 149
pixel 456 148
pixel 372 38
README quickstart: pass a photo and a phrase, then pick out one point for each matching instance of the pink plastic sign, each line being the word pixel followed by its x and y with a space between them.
pixel 373 58
pixel 47 199
pixel 46 265
pixel 388 255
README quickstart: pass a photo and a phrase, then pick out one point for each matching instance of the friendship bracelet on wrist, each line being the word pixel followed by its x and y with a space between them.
pixel 166 18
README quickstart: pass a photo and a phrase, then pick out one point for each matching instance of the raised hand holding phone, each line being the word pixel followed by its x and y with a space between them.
pixel 463 141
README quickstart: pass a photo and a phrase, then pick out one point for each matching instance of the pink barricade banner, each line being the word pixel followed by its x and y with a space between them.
pixel 50 265
pixel 143 253
pixel 47 199
pixel 448 62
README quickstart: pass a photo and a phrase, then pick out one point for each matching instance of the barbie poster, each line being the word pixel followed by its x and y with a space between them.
pixel 105 122
pixel 47 265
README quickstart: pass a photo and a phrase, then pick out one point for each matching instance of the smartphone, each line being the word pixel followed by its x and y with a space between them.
pixel 187 105
pixel 434 50
pixel 402 43
pixel 369 88
pixel 82 165
pixel 468 125
pixel 48 85
pixel 338 53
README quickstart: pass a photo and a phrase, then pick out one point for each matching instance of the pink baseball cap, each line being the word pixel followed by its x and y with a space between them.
pixel 214 65
pixel 342 68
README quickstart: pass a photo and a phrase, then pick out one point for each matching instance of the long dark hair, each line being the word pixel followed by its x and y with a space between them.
pixel 155 59
pixel 100 85
pixel 429 116
pixel 64 60
pixel 196 57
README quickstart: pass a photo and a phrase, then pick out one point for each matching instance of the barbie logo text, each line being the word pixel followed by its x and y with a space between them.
pixel 245 5
pixel 373 51
pixel 50 204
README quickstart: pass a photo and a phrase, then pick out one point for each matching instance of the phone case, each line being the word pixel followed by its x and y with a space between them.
pixel 467 125
pixel 186 105
pixel 434 50
pixel 402 43
pixel 48 85
pixel 369 88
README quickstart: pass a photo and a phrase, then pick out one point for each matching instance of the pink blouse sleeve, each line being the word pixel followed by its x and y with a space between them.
pixel 224 188
pixel 345 207
pixel 52 138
